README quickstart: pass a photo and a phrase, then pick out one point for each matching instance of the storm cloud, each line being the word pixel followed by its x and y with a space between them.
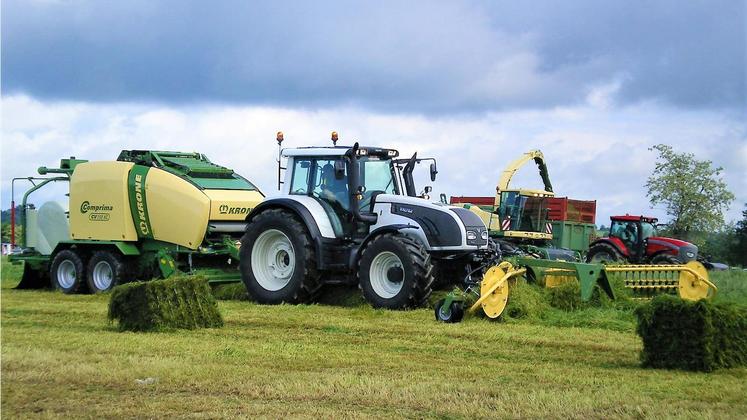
pixel 392 56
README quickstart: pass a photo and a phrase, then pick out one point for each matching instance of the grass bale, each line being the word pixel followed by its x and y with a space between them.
pixel 695 336
pixel 178 302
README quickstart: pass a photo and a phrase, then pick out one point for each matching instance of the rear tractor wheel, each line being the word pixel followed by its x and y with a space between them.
pixel 278 262
pixel 603 253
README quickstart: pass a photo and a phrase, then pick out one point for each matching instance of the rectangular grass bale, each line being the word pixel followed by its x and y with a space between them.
pixel 696 336
pixel 178 302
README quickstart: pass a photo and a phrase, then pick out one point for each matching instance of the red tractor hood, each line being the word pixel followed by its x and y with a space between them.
pixel 676 242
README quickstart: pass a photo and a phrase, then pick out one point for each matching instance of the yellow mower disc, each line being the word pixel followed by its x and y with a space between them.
pixel 690 287
pixel 494 304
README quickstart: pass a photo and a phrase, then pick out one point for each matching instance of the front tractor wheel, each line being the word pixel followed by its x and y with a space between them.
pixel 66 272
pixel 603 253
pixel 395 272
pixel 105 270
pixel 667 259
pixel 278 262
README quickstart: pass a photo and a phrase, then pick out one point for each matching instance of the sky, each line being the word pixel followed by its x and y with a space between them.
pixel 472 83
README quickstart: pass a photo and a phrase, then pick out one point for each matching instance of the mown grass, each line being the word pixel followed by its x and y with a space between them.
pixel 61 358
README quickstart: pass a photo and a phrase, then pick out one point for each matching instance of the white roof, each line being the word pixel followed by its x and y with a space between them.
pixel 315 151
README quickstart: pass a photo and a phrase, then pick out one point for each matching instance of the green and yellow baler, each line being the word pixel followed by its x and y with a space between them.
pixel 146 214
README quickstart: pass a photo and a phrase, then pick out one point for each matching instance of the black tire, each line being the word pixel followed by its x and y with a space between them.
pixel 665 259
pixel 604 252
pixel 454 313
pixel 105 271
pixel 67 273
pixel 303 281
pixel 415 272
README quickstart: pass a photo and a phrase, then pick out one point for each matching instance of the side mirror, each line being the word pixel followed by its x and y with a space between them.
pixel 434 171
pixel 339 169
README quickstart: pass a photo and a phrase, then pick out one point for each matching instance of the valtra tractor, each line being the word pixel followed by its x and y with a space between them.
pixel 347 215
pixel 634 240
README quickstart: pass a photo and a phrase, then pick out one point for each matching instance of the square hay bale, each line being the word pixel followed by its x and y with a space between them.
pixel 696 336
pixel 178 302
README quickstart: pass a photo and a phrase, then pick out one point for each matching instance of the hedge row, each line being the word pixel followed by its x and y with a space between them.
pixel 696 336
pixel 178 302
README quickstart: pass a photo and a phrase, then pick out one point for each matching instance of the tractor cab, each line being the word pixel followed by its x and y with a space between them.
pixel 343 180
pixel 635 239
pixel 633 232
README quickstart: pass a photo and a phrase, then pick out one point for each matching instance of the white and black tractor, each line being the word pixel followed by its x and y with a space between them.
pixel 349 215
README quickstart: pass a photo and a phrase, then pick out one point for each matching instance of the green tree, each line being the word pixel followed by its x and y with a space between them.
pixel 6 232
pixel 693 191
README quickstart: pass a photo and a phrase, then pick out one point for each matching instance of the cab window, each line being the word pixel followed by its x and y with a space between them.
pixel 328 186
pixel 300 181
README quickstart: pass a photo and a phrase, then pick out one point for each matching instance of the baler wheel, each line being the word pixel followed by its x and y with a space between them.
pixel 67 272
pixel 105 270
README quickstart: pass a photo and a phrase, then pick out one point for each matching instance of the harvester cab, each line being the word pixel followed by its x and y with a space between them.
pixel 343 216
pixel 517 218
pixel 634 239
pixel 515 214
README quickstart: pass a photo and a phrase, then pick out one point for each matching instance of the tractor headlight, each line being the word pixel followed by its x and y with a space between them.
pixel 484 234
pixel 690 254
pixel 471 235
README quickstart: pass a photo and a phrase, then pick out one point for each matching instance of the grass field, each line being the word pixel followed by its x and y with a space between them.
pixel 61 358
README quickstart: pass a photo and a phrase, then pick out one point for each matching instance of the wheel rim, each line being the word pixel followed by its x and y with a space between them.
pixel 66 274
pixel 273 260
pixel 444 313
pixel 379 275
pixel 103 275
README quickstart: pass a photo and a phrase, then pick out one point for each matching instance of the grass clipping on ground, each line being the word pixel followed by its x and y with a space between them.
pixel 697 336
pixel 178 302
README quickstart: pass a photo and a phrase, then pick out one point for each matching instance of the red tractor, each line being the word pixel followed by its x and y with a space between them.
pixel 633 239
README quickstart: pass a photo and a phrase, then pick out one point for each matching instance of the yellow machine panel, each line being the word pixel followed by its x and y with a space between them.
pixel 491 220
pixel 178 210
pixel 99 204
pixel 232 205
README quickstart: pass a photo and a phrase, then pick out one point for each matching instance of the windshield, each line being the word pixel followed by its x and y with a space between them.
pixel 648 230
pixel 377 175
pixel 523 213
